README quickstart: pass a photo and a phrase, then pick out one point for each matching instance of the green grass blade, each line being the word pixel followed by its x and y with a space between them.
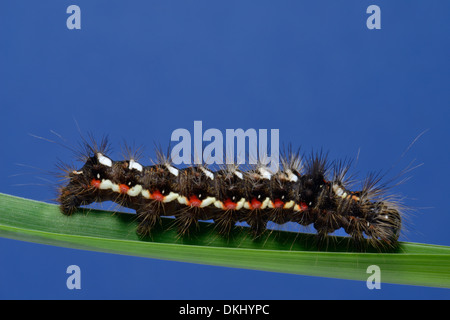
pixel 279 251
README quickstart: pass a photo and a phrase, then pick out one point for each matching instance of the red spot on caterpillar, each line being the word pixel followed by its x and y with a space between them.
pixel 194 201
pixel 123 188
pixel 277 203
pixel 255 204
pixel 157 195
pixel 303 206
pixel 95 183
pixel 230 205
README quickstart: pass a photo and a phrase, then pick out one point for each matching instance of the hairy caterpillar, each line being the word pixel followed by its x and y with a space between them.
pixel 305 190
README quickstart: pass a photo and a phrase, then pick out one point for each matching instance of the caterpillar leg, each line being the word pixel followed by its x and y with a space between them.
pixel 188 218
pixel 70 200
pixel 147 218
pixel 257 222
pixel 225 222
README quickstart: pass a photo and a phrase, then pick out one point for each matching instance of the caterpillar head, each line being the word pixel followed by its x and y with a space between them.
pixel 79 190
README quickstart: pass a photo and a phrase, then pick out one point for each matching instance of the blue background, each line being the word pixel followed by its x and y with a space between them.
pixel 139 70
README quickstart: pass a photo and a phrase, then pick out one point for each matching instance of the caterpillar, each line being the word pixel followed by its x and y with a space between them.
pixel 307 190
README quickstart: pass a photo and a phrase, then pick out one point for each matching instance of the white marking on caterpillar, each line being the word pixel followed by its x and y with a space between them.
pixel 289 204
pixel 265 203
pixel 291 176
pixel 208 201
pixel 135 165
pixel 182 200
pixel 265 174
pixel 106 184
pixel 115 187
pixel 219 204
pixel 104 160
pixel 134 191
pixel 77 172
pixel 339 191
pixel 208 173
pixel 172 170
pixel 146 194
pixel 240 204
pixel 170 197
pixel 239 175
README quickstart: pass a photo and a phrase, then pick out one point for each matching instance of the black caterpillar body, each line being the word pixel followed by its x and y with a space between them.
pixel 307 191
